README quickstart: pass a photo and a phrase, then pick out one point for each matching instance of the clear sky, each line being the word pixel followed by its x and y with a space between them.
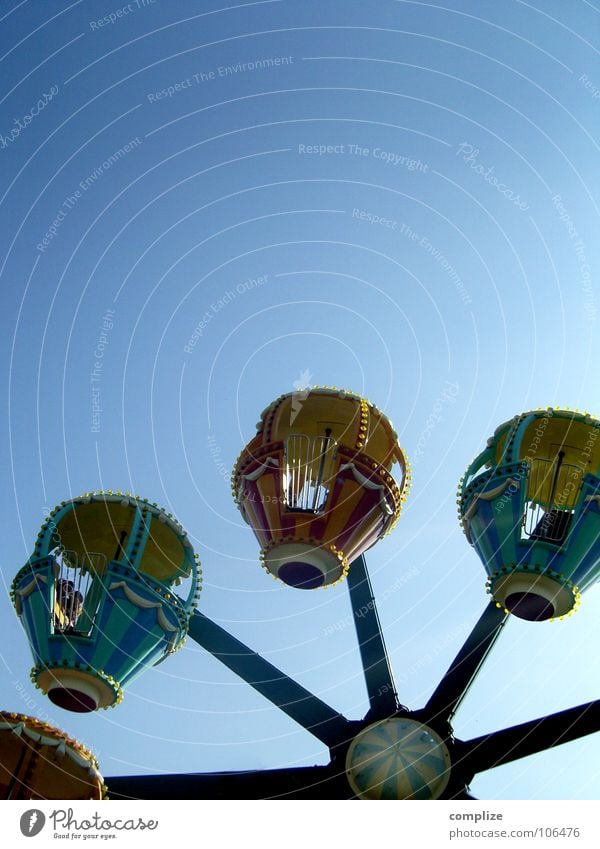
pixel 399 198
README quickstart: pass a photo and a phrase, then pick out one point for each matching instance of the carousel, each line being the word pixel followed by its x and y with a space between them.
pixel 321 482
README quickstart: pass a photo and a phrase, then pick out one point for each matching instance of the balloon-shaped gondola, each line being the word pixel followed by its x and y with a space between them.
pixel 316 484
pixel 38 761
pixel 96 597
pixel 530 505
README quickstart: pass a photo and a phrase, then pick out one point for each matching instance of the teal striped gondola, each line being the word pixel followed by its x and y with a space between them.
pixel 530 506
pixel 96 599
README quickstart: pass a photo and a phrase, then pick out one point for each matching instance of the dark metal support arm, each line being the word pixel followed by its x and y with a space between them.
pixel 378 674
pixel 315 782
pixel 453 687
pixel 510 744
pixel 313 714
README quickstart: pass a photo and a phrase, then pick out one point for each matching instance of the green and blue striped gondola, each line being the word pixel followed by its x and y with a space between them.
pixel 530 506
pixel 96 598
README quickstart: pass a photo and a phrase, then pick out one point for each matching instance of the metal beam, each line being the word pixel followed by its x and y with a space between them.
pixel 454 685
pixel 529 738
pixel 462 795
pixel 315 782
pixel 326 724
pixel 378 674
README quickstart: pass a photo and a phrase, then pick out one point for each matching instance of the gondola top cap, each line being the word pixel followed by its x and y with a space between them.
pixel 332 391
pixel 547 412
pixel 126 500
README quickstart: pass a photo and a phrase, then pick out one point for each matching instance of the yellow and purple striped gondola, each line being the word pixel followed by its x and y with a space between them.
pixel 316 484
pixel 530 505
pixel 38 761
pixel 96 598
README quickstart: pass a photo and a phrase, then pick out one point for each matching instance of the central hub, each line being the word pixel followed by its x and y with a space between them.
pixel 398 758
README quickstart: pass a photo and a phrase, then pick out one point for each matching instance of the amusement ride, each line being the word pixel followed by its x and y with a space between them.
pixel 113 583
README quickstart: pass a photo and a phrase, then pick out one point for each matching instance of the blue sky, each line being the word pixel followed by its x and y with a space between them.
pixel 400 198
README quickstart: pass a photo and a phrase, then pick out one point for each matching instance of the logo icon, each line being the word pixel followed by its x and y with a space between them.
pixel 32 822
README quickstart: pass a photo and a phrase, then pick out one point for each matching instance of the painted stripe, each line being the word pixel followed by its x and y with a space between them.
pixel 368 503
pixel 347 497
pixel 427 766
pixel 129 631
pixel 38 620
pixel 120 658
pixel 583 552
pixel 343 500
pixel 372 774
pixel 286 519
pixel 420 788
pixel 357 546
pixel 485 538
pixel 127 668
pixel 256 514
pixel 267 492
